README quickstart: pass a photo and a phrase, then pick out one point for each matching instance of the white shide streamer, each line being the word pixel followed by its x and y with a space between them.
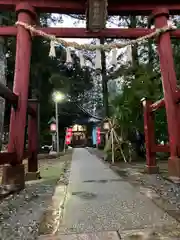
pixel 82 60
pixel 114 57
pixel 98 64
pixel 68 56
pixel 52 51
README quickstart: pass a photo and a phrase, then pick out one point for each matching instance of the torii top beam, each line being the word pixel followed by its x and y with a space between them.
pixel 79 6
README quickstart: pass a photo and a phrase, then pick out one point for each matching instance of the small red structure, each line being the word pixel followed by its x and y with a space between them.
pixel 26 12
pixel 68 136
pixel 171 100
pixel 98 135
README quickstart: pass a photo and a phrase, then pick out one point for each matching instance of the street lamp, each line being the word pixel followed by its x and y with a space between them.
pixel 57 97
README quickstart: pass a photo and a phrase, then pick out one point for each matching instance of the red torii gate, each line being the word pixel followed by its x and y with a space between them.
pixel 26 12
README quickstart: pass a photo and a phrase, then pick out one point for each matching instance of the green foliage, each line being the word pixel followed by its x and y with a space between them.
pixel 48 74
pixel 137 84
pixel 140 80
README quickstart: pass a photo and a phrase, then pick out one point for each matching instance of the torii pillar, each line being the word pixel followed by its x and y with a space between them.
pixel 169 82
pixel 15 174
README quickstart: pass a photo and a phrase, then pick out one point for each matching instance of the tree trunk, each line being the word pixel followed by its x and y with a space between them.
pixel 135 62
pixel 2 80
pixel 150 49
pixel 104 81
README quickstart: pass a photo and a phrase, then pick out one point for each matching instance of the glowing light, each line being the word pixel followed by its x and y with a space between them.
pixel 58 96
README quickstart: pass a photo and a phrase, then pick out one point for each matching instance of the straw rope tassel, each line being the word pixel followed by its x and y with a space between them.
pixel 92 47
pixel 52 52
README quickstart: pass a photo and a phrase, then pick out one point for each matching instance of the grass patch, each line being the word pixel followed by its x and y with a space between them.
pixel 51 171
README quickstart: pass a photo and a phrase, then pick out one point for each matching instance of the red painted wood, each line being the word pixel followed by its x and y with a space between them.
pixel 21 85
pixel 12 98
pixel 157 105
pixel 7 157
pixel 108 32
pixel 161 148
pixel 33 139
pixel 8 31
pixel 83 33
pixel 10 157
pixel 168 81
pixel 73 6
pixel 25 155
pixel 177 96
pixel 31 111
pixel 149 133
pixel 7 94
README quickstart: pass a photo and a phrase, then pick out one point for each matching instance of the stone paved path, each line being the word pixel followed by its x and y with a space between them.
pixel 100 200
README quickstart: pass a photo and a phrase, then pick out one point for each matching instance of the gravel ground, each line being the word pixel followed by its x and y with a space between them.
pixel 161 188
pixel 168 191
pixel 164 193
pixel 100 200
pixel 21 214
